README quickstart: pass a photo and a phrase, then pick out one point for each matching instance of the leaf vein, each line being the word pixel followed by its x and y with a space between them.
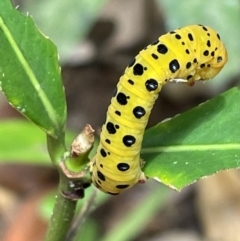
pixel 29 72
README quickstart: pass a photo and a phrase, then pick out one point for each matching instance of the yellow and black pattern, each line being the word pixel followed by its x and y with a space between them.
pixel 190 53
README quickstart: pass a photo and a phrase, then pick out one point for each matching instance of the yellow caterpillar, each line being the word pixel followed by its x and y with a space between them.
pixel 187 54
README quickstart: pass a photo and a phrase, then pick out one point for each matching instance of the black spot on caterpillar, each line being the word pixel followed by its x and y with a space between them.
pixel 191 53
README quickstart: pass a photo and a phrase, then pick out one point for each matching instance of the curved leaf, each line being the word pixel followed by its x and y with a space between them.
pixel 198 143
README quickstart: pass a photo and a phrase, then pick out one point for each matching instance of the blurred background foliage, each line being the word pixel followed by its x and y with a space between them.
pixel 66 23
pixel 96 40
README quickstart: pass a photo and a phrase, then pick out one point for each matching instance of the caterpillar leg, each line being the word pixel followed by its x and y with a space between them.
pixel 178 81
pixel 142 163
pixel 188 82
pixel 143 178
pixel 90 165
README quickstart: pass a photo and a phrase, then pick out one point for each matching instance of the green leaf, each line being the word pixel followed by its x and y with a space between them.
pixel 29 71
pixel 21 142
pixel 196 144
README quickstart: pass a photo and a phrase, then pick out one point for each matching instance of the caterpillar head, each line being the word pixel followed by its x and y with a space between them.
pixel 214 65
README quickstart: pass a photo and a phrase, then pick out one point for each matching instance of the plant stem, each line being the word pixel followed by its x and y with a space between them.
pixel 56 148
pixel 72 184
pixel 63 214
pixel 81 218
pixel 64 208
